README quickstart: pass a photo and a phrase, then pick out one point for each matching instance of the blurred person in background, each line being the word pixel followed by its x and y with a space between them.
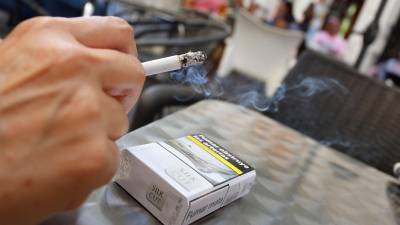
pixel 307 18
pixel 284 17
pixel 237 4
pixel 388 70
pixel 253 7
pixel 219 7
pixel 65 91
pixel 304 26
pixel 328 41
pixel 321 9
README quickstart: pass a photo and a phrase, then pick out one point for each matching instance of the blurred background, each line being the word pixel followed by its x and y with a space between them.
pixel 327 68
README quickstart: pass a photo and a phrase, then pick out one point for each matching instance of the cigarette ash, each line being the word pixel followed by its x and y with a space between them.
pixel 192 58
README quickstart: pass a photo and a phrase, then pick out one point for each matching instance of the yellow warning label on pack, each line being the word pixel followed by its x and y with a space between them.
pixel 219 153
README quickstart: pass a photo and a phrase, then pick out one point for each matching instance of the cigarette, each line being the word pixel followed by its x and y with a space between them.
pixel 172 63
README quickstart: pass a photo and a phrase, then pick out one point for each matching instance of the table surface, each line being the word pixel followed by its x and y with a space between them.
pixel 298 180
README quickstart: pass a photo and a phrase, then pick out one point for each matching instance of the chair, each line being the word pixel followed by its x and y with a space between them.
pixel 335 105
pixel 260 51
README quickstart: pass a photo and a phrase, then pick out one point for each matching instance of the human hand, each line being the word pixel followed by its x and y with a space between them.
pixel 65 86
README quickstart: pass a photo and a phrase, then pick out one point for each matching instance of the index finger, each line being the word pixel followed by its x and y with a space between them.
pixel 103 33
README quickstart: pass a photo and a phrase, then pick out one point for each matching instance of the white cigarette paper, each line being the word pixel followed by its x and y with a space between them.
pixel 162 65
pixel 172 63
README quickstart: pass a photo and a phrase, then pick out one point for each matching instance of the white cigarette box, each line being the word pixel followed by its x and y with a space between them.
pixel 182 180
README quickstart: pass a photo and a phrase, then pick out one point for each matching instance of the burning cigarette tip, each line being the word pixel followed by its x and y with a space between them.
pixel 192 58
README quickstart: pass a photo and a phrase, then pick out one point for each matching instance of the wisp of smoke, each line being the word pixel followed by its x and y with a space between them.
pixel 311 86
pixel 254 99
pixel 305 90
pixel 196 77
pixel 249 94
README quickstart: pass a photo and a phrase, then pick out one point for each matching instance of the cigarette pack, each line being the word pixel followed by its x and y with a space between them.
pixel 182 180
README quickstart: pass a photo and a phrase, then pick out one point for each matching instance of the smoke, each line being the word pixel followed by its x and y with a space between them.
pixel 250 93
pixel 194 75
pixel 197 78
pixel 304 91
pixel 311 86
pixel 297 103
pixel 253 99
pixel 236 89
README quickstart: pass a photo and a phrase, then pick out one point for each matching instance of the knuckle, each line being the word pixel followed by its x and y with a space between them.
pixel 98 160
pixel 117 20
pixel 117 119
pixel 122 125
pixel 92 160
pixel 89 106
pixel 140 74
pixel 84 106
pixel 127 30
pixel 74 203
pixel 7 130
pixel 122 25
pixel 70 54
pixel 29 22
pixel 39 22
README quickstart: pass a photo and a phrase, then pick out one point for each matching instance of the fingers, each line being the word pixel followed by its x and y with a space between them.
pixel 93 32
pixel 121 76
pixel 103 32
pixel 114 117
pixel 107 39
pixel 97 162
pixel 93 114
